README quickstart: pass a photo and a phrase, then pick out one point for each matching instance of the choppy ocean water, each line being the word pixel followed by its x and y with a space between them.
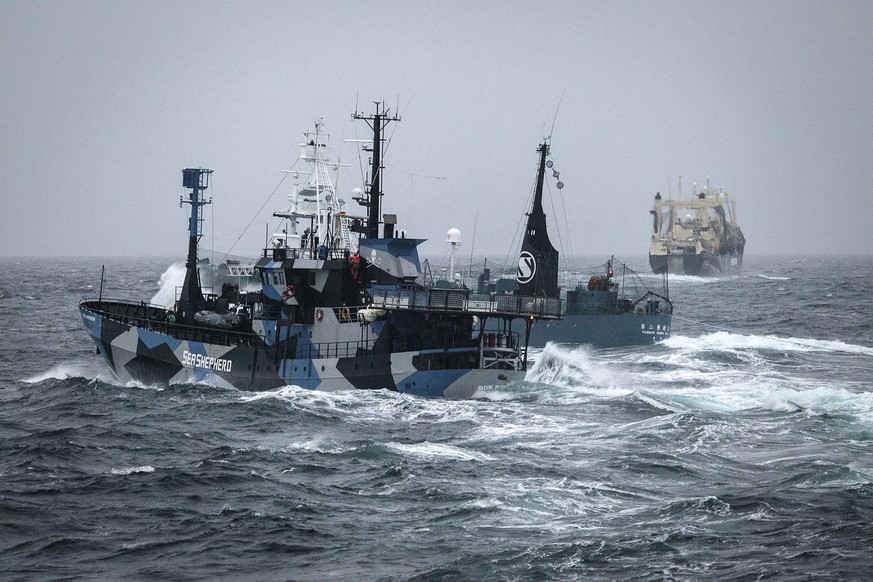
pixel 741 448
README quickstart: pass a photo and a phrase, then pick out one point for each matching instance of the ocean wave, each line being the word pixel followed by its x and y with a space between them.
pixel 436 451
pixel 564 366
pixel 74 370
pixel 832 401
pixel 375 406
pixel 170 280
pixel 695 279
pixel 722 340
pixel 773 278
pixel 131 470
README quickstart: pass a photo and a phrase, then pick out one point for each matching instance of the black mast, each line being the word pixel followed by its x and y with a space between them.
pixel 191 298
pixel 374 192
pixel 538 263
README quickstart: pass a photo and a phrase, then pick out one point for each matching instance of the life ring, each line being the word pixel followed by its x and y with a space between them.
pixel 288 293
pixel 344 314
pixel 319 314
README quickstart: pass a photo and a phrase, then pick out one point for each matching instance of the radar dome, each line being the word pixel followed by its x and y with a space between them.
pixel 453 236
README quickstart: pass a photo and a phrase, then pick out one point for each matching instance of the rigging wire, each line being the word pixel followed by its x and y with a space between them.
pixel 518 231
pixel 285 175
pixel 554 213
pixel 472 244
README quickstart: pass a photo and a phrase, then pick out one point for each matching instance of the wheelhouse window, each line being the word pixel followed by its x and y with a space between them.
pixel 277 277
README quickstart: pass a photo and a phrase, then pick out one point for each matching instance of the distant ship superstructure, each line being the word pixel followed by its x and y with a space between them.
pixel 697 235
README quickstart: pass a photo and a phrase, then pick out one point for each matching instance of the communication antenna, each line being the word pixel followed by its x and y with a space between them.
pixel 453 237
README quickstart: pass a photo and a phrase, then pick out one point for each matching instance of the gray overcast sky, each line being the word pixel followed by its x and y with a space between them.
pixel 103 103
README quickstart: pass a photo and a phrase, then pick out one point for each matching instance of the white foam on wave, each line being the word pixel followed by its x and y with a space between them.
pixel 436 451
pixel 722 340
pixel 284 393
pixel 819 401
pixel 319 446
pixel 722 396
pixel 654 402
pixel 131 470
pixel 370 405
pixel 172 279
pixel 774 278
pixel 519 428
pixel 574 367
pixel 695 279
pixel 67 370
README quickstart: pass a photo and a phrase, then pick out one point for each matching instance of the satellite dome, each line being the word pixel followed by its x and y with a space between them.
pixel 453 236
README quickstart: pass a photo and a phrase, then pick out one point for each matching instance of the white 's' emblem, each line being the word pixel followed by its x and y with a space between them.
pixel 527 268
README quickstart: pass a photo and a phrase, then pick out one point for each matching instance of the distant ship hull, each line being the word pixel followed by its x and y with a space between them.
pixel 603 331
pixel 615 308
pixel 701 265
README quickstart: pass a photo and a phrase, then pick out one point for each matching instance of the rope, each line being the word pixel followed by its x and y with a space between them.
pixel 255 216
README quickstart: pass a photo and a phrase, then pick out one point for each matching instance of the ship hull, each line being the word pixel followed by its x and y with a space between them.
pixel 603 330
pixel 700 265
pixel 135 354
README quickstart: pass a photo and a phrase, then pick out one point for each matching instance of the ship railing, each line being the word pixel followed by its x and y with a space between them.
pixel 462 300
pixel 323 253
pixel 497 348
pixel 154 318
pixel 348 349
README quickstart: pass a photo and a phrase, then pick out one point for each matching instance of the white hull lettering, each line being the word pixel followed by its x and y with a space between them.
pixel 206 362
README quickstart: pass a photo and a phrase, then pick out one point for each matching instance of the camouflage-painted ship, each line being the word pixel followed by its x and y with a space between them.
pixel 340 306
pixel 697 236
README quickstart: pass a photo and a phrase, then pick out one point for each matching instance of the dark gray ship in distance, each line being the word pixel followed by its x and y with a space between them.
pixel 615 307
pixel 697 236
pixel 612 307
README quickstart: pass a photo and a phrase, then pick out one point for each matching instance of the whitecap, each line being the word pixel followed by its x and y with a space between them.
pixel 283 393
pixel 816 401
pixel 723 340
pixel 130 470
pixel 566 366
pixel 774 278
pixel 693 279
pixel 436 451
pixel 170 280
pixel 68 370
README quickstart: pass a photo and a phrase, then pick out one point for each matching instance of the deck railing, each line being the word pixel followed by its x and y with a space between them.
pixel 463 300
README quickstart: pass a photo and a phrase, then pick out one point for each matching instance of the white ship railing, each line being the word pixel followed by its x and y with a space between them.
pixel 461 300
